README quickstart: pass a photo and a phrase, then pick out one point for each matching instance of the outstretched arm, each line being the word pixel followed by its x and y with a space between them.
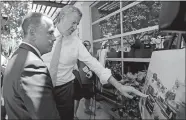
pixel 105 74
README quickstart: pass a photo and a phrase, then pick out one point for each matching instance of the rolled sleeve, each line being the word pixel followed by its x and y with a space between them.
pixel 83 55
pixel 105 75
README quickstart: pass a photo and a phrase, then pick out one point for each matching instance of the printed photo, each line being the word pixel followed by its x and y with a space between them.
pixel 166 85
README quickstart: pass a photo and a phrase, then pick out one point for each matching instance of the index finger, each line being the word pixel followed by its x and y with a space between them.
pixel 138 93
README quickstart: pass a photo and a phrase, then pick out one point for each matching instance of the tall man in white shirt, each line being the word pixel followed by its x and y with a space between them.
pixel 70 49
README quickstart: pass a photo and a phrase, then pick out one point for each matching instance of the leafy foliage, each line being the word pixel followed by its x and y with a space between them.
pixel 111 25
pixel 142 15
pixel 12 35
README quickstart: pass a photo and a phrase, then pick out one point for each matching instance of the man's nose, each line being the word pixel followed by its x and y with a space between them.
pixel 53 38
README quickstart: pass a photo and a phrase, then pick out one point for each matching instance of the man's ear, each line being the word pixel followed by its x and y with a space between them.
pixel 32 30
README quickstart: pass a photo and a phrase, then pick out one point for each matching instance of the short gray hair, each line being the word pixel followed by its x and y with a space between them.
pixel 31 19
pixel 66 10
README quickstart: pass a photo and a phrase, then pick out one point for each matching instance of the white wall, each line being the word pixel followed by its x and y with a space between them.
pixel 85 23
pixel 79 29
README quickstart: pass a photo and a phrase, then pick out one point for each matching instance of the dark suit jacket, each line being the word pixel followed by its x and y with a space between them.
pixel 27 87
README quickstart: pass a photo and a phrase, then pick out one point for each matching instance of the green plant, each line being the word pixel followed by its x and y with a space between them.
pixel 12 35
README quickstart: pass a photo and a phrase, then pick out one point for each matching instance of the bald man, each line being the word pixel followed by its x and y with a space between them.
pixel 28 88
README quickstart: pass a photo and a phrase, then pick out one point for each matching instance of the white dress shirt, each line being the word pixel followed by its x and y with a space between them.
pixel 3 60
pixel 76 67
pixel 72 50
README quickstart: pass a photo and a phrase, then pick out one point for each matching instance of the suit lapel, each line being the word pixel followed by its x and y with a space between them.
pixel 27 47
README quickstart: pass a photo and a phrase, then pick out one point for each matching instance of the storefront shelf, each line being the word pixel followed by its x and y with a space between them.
pixel 136 59
pixel 129 59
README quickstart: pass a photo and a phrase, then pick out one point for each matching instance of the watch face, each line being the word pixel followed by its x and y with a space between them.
pixel 85 69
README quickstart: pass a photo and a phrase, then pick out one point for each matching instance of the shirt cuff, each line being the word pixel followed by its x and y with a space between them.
pixel 105 75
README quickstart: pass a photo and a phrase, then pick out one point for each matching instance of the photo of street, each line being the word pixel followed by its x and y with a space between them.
pixel 166 90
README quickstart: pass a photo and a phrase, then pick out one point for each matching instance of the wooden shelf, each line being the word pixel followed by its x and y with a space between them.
pixel 110 90
pixel 109 100
pixel 136 59
pixel 114 59
pixel 129 59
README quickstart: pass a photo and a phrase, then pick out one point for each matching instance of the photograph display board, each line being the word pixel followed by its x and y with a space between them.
pixel 165 85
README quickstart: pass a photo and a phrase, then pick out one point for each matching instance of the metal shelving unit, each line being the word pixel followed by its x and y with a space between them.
pixel 122 34
pixel 129 59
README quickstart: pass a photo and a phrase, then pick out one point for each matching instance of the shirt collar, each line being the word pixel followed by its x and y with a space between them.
pixel 33 48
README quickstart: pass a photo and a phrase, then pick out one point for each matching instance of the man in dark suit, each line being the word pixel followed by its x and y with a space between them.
pixel 27 87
